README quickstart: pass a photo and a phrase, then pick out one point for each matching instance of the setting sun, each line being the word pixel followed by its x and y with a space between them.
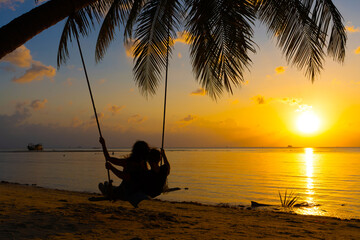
pixel 308 122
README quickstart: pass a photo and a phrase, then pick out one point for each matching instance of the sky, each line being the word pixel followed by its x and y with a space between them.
pixel 42 104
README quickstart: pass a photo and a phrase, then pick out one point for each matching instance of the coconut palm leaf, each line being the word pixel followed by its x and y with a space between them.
pixel 338 38
pixel 132 18
pixel 221 39
pixel 116 16
pixel 80 22
pixel 156 29
pixel 301 27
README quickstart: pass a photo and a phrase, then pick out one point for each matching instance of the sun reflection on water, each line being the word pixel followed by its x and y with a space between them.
pixel 309 161
pixel 309 158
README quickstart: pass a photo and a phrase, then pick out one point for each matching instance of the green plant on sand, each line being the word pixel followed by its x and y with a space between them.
pixel 289 199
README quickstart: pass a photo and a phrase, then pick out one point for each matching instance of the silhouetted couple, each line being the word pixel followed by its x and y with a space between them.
pixel 139 182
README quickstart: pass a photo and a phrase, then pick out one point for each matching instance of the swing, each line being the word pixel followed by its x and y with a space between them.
pixel 134 200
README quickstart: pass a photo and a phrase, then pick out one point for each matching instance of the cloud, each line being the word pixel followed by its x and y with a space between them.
pixel 303 108
pixel 357 51
pixel 136 119
pixel 102 81
pixel 280 70
pixel 354 82
pixel 182 37
pixel 21 114
pixel 234 102
pixel 11 4
pixel 198 92
pixel 291 101
pixel 259 99
pixel 37 72
pixel 20 57
pixel 114 109
pixel 352 29
pixel 129 48
pixel 69 82
pixel 189 118
pixel 38 104
pixel 100 115
pixel 76 122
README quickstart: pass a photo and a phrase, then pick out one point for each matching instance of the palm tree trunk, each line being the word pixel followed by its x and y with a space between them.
pixel 28 25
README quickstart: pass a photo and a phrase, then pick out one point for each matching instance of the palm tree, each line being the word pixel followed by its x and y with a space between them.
pixel 28 25
pixel 220 34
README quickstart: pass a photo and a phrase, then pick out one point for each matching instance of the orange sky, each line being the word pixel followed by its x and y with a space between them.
pixel 39 103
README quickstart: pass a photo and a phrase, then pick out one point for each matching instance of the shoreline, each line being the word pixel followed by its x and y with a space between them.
pixel 31 212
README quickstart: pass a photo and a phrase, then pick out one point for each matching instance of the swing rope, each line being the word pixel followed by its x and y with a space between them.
pixel 91 96
pixel 166 81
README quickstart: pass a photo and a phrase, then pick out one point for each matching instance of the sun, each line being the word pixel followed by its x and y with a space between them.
pixel 308 122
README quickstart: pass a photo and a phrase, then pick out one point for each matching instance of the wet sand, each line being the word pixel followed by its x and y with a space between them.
pixel 30 212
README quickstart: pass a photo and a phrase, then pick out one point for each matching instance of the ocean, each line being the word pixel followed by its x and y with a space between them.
pixel 328 179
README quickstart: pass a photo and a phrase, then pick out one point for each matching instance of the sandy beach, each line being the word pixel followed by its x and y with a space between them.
pixel 30 212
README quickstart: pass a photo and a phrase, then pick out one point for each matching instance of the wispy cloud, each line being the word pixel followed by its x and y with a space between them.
pixel 303 108
pixel 198 92
pixel 291 101
pixel 280 70
pixel 259 99
pixel 129 48
pixel 76 122
pixel 114 109
pixel 182 37
pixel 189 118
pixel 234 102
pixel 136 119
pixel 100 115
pixel 357 51
pixel 37 72
pixel 38 104
pixel 20 57
pixel 69 82
pixel 352 29
pixel 11 4
pixel 102 81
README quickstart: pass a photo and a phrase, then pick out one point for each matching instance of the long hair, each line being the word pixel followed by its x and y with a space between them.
pixel 140 150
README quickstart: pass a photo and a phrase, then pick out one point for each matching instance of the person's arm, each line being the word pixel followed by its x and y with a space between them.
pixel 166 162
pixel 116 161
pixel 117 172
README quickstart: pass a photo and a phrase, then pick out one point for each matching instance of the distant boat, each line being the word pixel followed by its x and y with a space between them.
pixel 36 147
pixel 289 146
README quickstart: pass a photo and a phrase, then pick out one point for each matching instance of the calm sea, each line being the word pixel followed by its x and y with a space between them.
pixel 328 178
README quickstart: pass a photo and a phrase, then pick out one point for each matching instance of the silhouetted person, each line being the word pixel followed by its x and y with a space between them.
pixel 156 177
pixel 134 170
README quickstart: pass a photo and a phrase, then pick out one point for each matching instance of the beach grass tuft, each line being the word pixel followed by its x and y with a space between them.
pixel 289 199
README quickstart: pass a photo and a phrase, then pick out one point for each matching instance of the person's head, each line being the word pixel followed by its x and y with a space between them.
pixel 140 150
pixel 154 157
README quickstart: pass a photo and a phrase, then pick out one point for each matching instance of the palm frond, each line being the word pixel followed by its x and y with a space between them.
pixel 221 39
pixel 80 22
pixel 157 25
pixel 132 18
pixel 116 16
pixel 338 37
pixel 301 28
